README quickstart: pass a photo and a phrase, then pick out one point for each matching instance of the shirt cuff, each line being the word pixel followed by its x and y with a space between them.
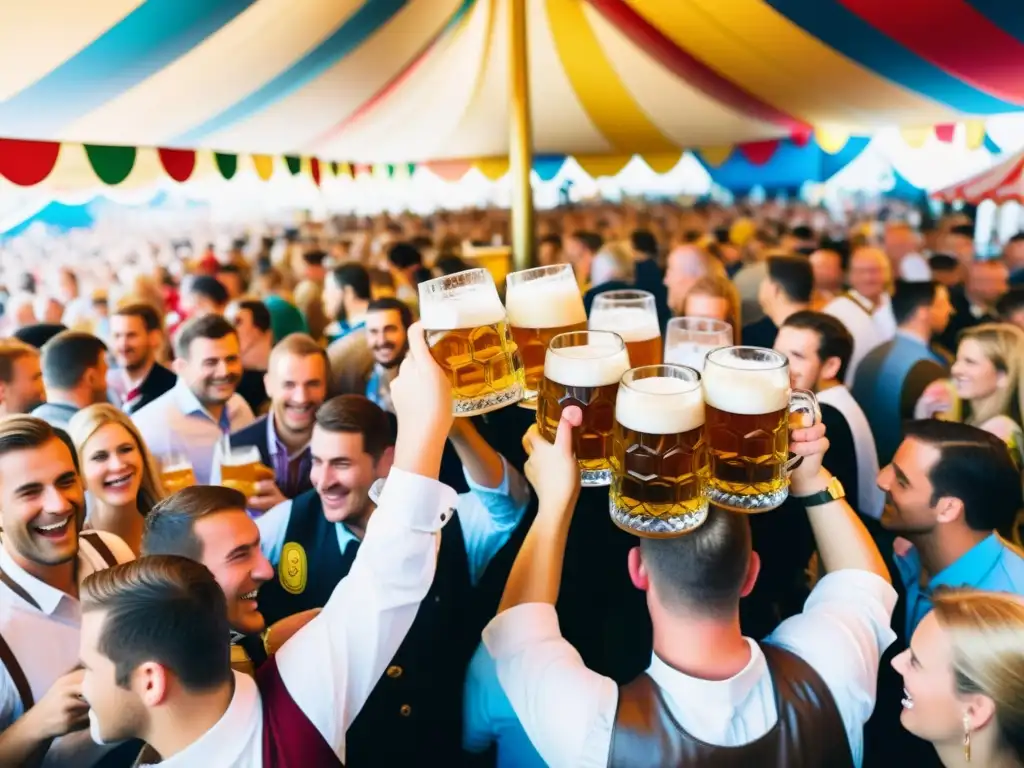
pixel 852 585
pixel 520 627
pixel 424 504
pixel 502 486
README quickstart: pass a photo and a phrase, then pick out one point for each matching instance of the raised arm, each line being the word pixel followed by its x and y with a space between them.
pixel 566 709
pixel 331 666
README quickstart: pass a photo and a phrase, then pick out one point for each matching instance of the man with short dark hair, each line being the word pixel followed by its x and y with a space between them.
pixel 405 263
pixel 300 708
pixel 43 557
pixel 893 376
pixel 786 289
pixel 203 406
pixel 387 326
pixel 975 301
pixel 136 334
pixel 75 374
pixel 347 296
pixel 231 277
pixel 203 295
pixel 297 384
pixel 353 449
pixel 21 377
pixel 818 348
pixel 580 249
pixel 1011 306
pixel 251 319
pixel 711 696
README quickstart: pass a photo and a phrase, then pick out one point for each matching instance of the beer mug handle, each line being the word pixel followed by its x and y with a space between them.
pixel 802 401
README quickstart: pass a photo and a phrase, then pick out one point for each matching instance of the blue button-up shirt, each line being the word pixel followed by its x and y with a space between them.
pixel 176 422
pixel 989 565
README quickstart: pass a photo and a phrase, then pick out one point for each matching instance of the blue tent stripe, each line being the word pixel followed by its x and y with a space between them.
pixel 142 43
pixel 373 15
pixel 843 30
pixel 1005 14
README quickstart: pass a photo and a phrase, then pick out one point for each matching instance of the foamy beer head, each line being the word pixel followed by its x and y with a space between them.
pixel 469 338
pixel 661 405
pixel 747 394
pixel 746 383
pixel 658 457
pixel 545 297
pixel 465 300
pixel 241 468
pixel 634 316
pixel 583 368
pixel 689 339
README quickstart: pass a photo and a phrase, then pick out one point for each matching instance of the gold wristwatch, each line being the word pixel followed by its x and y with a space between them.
pixel 833 492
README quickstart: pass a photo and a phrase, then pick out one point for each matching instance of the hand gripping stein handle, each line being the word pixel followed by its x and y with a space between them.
pixel 802 401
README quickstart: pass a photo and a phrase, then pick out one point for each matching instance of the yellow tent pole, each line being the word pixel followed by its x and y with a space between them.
pixel 520 145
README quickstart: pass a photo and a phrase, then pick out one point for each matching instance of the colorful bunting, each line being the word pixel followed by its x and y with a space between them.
pixel 178 163
pixel 111 164
pixel 27 163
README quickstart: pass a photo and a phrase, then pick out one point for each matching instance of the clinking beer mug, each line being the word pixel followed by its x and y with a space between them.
pixel 748 404
pixel 241 468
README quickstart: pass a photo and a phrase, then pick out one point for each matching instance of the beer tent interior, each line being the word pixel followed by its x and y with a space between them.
pixel 324 82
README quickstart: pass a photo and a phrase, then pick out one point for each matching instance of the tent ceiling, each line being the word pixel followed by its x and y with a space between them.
pixel 406 80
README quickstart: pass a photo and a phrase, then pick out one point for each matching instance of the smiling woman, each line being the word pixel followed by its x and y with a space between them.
pixel 120 475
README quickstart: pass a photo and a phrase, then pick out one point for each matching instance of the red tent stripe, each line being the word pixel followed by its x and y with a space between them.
pixel 27 163
pixel 955 37
pixel 685 66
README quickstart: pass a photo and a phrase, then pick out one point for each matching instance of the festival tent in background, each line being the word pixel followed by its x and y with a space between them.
pixel 397 81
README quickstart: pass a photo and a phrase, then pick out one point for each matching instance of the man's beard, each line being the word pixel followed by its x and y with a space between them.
pixel 396 360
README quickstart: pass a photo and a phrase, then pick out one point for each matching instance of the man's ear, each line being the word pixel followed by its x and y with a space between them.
pixel 179 365
pixel 638 570
pixel 830 368
pixel 949 509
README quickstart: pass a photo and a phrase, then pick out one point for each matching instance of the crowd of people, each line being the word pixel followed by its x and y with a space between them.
pixel 403 586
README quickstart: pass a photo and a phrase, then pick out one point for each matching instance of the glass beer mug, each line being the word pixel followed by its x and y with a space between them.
pixel 689 339
pixel 541 303
pixel 659 462
pixel 634 316
pixel 583 368
pixel 176 471
pixel 468 336
pixel 241 468
pixel 748 401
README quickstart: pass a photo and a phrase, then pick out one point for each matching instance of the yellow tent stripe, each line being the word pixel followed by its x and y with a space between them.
pixel 751 44
pixel 601 92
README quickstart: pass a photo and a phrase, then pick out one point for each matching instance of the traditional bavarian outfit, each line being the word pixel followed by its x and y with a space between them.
pixel 801 700
pixel 298 709
pixel 39 638
pixel 415 708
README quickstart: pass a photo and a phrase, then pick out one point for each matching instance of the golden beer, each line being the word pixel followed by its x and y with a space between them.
pixel 241 469
pixel 541 303
pixel 177 475
pixel 658 461
pixel 748 401
pixel 583 368
pixel 469 338
pixel 634 316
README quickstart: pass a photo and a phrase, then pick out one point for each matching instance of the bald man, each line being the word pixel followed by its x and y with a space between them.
pixel 827 266
pixel 866 309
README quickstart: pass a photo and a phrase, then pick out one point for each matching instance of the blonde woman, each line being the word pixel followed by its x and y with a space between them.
pixel 963 678
pixel 714 296
pixel 120 475
pixel 987 384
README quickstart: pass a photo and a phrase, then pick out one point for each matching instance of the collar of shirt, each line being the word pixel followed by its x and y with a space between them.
pixel 715 695
pixel 277 447
pixel 189 405
pixel 230 740
pixel 865 302
pixel 46 596
pixel 968 570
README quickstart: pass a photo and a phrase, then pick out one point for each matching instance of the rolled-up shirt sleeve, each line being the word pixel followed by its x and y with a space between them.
pixel 331 665
pixel 567 710
pixel 488 516
pixel 842 633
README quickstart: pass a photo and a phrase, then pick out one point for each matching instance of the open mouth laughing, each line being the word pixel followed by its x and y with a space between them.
pixel 120 481
pixel 54 530
pixel 908 700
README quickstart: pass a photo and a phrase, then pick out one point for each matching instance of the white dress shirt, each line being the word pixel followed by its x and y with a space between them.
pixel 569 711
pixel 488 516
pixel 867 332
pixel 176 422
pixel 45 644
pixel 870 497
pixel 333 663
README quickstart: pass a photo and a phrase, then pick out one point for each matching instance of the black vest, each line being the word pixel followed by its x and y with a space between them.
pixel 414 713
pixel 809 732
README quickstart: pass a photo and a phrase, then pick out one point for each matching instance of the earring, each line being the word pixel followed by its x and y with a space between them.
pixel 967 737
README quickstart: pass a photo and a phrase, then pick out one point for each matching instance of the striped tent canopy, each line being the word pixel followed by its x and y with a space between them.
pixel 416 80
pixel 1001 183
